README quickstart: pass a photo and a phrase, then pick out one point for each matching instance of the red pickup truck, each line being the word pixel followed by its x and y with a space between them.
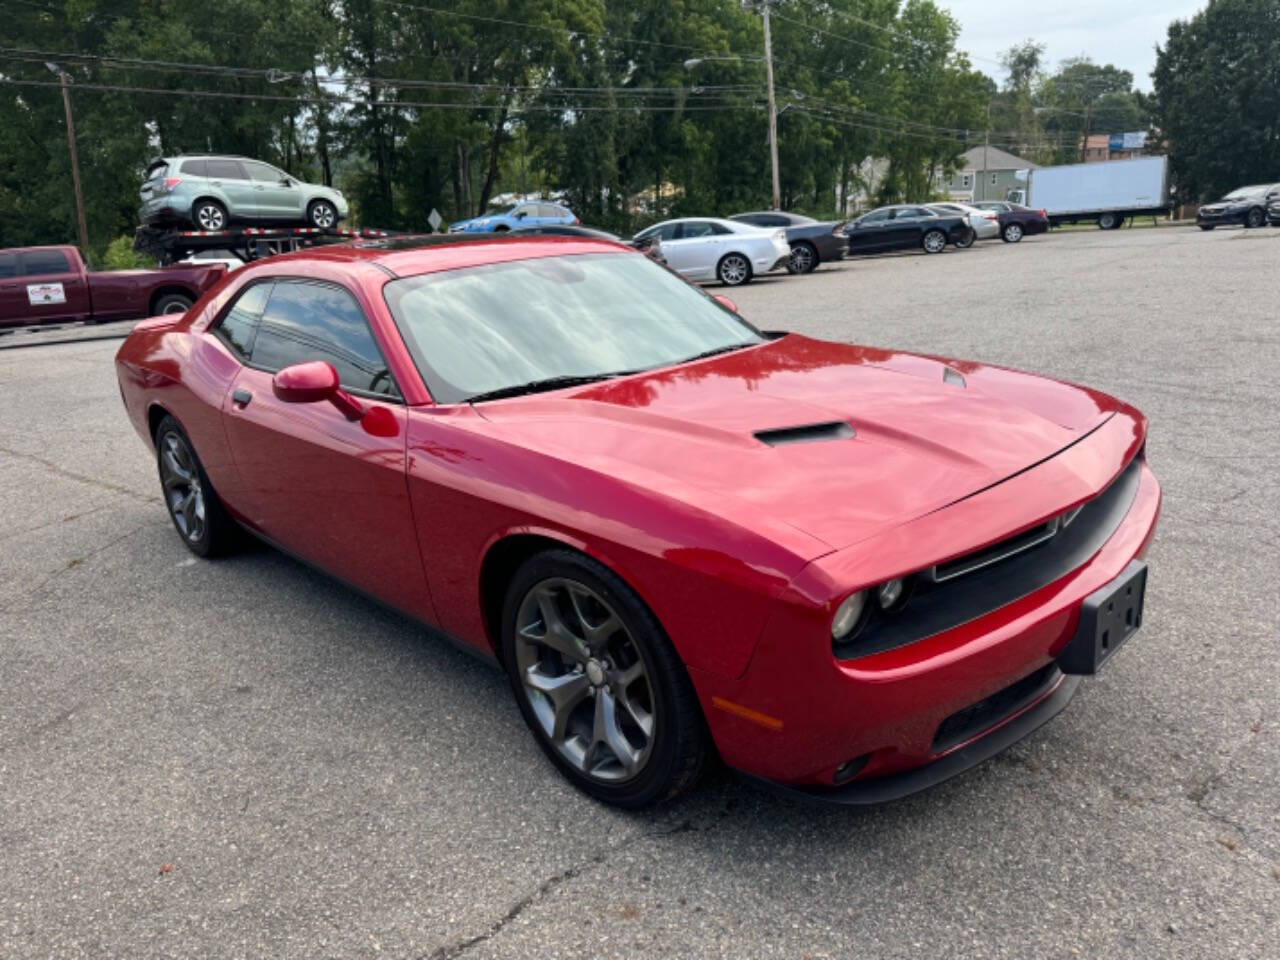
pixel 47 284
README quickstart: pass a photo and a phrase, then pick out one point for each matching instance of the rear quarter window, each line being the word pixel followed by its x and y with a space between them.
pixel 195 168
pixel 241 319
pixel 8 265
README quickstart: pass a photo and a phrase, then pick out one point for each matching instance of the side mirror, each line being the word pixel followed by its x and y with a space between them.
pixel 286 182
pixel 521 214
pixel 312 382
pixel 725 302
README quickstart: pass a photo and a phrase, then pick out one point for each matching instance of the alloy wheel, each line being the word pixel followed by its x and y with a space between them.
pixel 1256 217
pixel 323 215
pixel 183 493
pixel 934 241
pixel 1013 233
pixel 210 217
pixel 585 680
pixel 733 270
pixel 801 258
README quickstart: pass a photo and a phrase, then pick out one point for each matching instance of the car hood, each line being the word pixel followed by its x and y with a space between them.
pixel 914 442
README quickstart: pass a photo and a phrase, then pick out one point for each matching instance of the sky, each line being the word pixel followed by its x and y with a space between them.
pixel 1120 32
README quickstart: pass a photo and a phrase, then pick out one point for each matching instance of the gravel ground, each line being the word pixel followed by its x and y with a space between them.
pixel 239 759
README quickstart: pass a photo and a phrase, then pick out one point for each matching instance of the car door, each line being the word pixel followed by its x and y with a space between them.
pixel 276 195
pixel 230 178
pixel 328 488
pixel 13 295
pixel 869 232
pixel 700 247
pixel 906 226
pixel 50 287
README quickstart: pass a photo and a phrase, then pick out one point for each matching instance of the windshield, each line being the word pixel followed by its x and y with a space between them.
pixel 1244 193
pixel 480 329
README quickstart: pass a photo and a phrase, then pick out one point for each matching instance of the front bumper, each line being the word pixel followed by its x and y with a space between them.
pixel 887 712
pixel 1219 217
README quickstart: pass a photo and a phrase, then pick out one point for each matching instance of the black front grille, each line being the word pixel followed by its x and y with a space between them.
pixel 938 606
pixel 972 720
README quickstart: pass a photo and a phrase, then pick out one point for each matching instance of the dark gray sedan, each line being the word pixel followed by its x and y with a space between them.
pixel 812 241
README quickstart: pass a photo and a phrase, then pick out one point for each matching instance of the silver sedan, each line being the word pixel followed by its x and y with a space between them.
pixel 985 223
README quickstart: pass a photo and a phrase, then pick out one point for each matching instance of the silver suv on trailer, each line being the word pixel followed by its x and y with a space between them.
pixel 210 192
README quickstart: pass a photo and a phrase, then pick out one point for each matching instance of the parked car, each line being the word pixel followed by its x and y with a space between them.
pixel 983 224
pixel 210 192
pixel 813 242
pixel 52 284
pixel 702 248
pixel 1273 212
pixel 652 246
pixel 531 213
pixel 1016 221
pixel 904 226
pixel 851 571
pixel 1246 206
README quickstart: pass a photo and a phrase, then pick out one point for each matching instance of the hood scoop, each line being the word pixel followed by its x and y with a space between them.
pixel 807 433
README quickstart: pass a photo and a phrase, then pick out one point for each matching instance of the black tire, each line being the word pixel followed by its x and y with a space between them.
pixel 1012 233
pixel 322 214
pixel 1255 218
pixel 734 269
pixel 171 303
pixel 933 241
pixel 501 228
pixel 219 533
pixel 209 214
pixel 679 739
pixel 1207 226
pixel 804 258
pixel 965 242
pixel 1109 221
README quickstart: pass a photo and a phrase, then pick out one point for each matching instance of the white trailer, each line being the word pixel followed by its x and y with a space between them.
pixel 1104 192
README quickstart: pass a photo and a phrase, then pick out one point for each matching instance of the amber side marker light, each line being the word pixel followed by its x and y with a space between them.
pixel 755 716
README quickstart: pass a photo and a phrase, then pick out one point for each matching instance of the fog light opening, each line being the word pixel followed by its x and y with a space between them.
pixel 847 771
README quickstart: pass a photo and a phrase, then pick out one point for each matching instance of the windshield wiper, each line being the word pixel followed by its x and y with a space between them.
pixel 716 351
pixel 541 386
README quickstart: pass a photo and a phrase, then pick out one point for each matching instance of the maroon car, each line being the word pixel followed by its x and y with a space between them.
pixel 52 284
pixel 1016 221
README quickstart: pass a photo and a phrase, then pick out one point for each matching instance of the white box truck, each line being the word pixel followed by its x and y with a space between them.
pixel 1104 192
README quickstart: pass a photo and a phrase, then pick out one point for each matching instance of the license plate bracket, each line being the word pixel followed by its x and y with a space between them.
pixel 1108 617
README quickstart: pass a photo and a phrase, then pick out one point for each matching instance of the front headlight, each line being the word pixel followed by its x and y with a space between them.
pixel 848 616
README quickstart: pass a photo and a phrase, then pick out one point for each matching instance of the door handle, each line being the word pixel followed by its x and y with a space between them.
pixel 241 397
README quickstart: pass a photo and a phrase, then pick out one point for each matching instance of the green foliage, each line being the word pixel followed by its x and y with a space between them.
pixel 120 255
pixel 1217 97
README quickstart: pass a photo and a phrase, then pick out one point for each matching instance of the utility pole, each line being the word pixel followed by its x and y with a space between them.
pixel 773 108
pixel 986 146
pixel 65 81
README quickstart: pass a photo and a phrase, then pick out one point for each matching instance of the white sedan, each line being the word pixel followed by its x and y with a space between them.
pixel 985 223
pixel 702 248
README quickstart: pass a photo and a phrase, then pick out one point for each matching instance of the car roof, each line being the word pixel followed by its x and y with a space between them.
pixel 411 255
pixel 795 218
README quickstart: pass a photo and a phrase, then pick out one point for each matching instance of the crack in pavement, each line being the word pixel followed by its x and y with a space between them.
pixel 538 894
pixel 79 477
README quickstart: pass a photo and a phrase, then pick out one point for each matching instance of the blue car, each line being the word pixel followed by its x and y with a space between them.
pixel 531 213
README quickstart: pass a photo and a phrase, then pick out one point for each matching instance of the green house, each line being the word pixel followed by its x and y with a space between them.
pixel 986 173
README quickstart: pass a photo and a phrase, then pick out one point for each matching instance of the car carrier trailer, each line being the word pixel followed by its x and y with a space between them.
pixel 244 243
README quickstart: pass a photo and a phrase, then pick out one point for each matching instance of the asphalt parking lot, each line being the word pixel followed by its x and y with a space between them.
pixel 239 759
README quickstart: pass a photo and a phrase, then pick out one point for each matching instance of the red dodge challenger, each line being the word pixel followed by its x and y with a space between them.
pixel 852 572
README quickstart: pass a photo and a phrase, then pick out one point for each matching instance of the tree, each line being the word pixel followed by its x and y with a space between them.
pixel 1216 102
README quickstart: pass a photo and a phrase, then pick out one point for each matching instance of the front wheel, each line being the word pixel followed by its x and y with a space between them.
pixel 197 514
pixel 322 214
pixel 935 241
pixel 1012 233
pixel 1255 218
pixel 1206 226
pixel 733 269
pixel 803 259
pixel 1109 221
pixel 965 242
pixel 598 682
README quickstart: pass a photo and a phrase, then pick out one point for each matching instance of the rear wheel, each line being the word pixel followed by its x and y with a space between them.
pixel 501 228
pixel 733 269
pixel 1255 217
pixel 598 682
pixel 1206 226
pixel 322 214
pixel 1012 233
pixel 934 241
pixel 197 514
pixel 965 242
pixel 1110 221
pixel 209 215
pixel 803 259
